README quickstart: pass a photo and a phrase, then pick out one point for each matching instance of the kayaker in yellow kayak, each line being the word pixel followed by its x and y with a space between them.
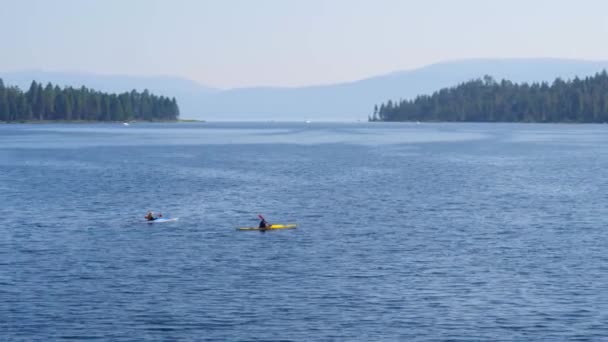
pixel 263 223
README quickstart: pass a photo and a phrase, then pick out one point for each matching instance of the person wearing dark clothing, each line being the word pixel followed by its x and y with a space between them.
pixel 150 216
pixel 263 223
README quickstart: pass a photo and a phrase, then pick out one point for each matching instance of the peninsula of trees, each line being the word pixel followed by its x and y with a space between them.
pixel 49 103
pixel 486 100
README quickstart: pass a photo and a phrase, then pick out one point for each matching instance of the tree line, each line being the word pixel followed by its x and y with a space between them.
pixel 486 100
pixel 50 102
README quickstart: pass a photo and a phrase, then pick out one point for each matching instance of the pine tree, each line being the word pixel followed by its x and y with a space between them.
pixel 3 102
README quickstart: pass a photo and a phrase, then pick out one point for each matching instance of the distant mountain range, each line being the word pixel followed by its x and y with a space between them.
pixel 348 101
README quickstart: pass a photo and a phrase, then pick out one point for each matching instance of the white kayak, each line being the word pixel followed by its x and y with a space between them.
pixel 162 219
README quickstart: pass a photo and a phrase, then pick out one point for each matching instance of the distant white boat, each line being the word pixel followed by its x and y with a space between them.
pixel 307 121
pixel 125 123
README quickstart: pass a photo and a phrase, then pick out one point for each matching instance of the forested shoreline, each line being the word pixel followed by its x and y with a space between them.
pixel 52 103
pixel 486 100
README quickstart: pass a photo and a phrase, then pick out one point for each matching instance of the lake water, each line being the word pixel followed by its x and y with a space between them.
pixel 461 232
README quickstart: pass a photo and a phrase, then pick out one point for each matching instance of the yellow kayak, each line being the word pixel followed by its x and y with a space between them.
pixel 271 227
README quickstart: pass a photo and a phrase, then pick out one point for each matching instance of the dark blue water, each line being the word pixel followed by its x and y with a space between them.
pixel 405 232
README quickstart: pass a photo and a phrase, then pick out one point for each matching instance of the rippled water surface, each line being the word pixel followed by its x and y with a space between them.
pixel 405 232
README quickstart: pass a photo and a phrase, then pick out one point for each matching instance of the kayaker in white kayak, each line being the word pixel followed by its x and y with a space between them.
pixel 150 216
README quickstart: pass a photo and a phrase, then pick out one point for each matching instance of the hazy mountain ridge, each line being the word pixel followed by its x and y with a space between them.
pixel 355 100
pixel 344 101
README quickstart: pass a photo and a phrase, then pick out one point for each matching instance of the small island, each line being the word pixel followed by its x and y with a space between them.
pixel 486 100
pixel 52 103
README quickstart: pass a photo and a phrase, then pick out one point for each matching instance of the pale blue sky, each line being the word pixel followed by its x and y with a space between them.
pixel 235 43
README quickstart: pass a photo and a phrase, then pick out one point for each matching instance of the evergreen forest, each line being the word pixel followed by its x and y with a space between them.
pixel 50 103
pixel 486 100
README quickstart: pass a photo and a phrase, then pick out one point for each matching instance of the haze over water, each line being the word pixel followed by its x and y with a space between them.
pixel 405 232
